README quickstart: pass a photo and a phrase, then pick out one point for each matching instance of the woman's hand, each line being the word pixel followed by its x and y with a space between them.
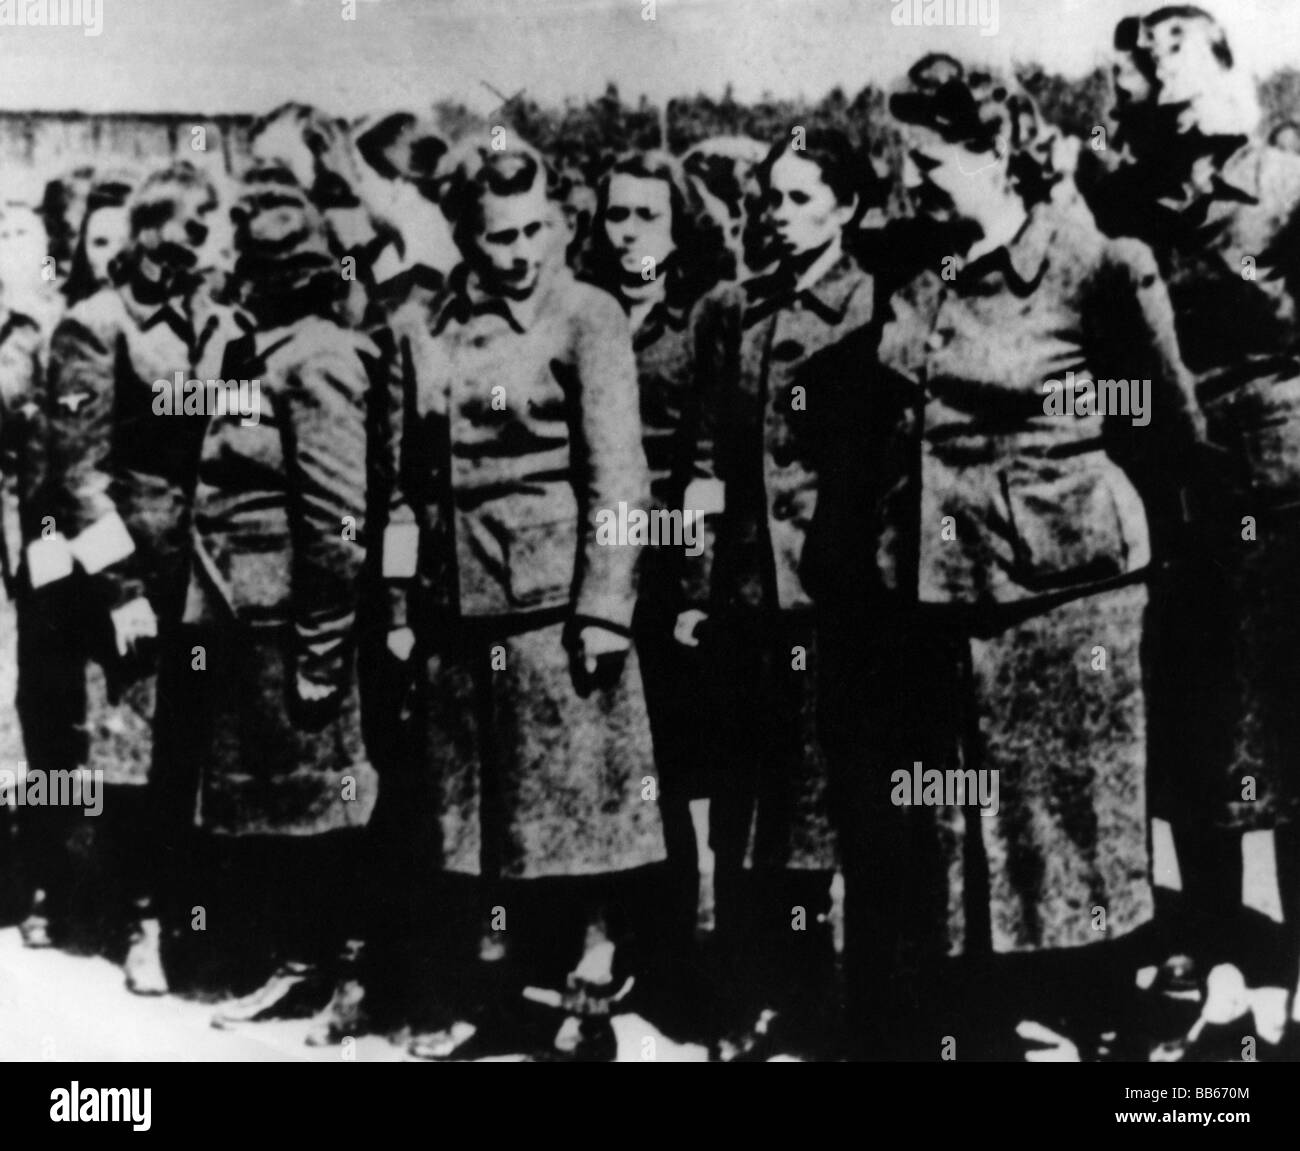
pixel 598 645
pixel 598 659
pixel 401 641
pixel 310 692
pixel 686 629
pixel 314 705
pixel 132 622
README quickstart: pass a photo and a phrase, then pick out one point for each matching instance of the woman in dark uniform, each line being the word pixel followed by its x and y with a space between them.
pixel 1221 210
pixel 777 356
pixel 657 252
pixel 119 483
pixel 265 670
pixel 73 714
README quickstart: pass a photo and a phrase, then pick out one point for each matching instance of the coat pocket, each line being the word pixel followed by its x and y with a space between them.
pixel 540 561
pixel 1065 525
pixel 260 582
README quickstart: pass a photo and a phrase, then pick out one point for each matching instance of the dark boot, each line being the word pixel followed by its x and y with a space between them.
pixel 295 991
pixel 345 1015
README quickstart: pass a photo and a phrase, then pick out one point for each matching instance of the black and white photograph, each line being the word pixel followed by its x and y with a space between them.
pixel 650 531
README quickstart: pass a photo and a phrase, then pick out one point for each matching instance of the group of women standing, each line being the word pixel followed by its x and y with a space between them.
pixel 457 735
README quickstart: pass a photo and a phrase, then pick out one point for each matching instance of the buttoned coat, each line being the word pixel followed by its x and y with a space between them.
pixel 519 433
pixel 278 545
pixel 1225 635
pixel 50 698
pixel 778 369
pixel 109 453
pixel 110 462
pixel 21 432
pixel 1016 547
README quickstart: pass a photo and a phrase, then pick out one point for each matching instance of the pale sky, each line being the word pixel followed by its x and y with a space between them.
pixel 210 56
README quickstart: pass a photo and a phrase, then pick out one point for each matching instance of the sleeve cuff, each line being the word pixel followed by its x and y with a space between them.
pixel 106 542
pixel 48 561
pixel 401 549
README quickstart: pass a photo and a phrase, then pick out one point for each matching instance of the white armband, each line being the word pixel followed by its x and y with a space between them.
pixel 48 560
pixel 705 497
pixel 401 549
pixel 102 544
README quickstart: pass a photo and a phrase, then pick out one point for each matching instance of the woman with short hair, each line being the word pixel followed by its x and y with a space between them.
pixel 264 669
pixel 520 439
pixel 118 482
pixel 780 360
pixel 1013 557
pixel 655 249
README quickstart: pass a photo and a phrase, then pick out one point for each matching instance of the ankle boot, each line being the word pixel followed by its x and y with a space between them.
pixel 345 1015
pixel 295 990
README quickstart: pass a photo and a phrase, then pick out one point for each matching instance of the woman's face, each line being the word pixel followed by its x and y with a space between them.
pixel 639 222
pixel 801 207
pixel 1187 76
pixel 949 182
pixel 513 240
pixel 173 232
pixel 107 231
pixel 22 240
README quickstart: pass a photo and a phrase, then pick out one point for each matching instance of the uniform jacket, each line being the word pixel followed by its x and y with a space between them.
pixel 664 349
pixel 279 508
pixel 1007 502
pixel 776 369
pixel 1227 237
pixel 22 432
pixel 112 461
pixel 670 388
pixel 519 425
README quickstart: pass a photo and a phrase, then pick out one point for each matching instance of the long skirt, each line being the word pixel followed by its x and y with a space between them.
pixel 519 774
pixel 1044 703
pixel 259 768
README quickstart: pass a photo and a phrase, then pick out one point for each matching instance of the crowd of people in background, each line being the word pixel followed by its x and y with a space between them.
pixel 396 738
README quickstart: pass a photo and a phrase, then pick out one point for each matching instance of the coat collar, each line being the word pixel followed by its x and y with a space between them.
pixel 1238 178
pixel 11 321
pixel 1024 259
pixel 192 318
pixel 829 296
pixel 663 315
pixel 465 297
pixel 1234 176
